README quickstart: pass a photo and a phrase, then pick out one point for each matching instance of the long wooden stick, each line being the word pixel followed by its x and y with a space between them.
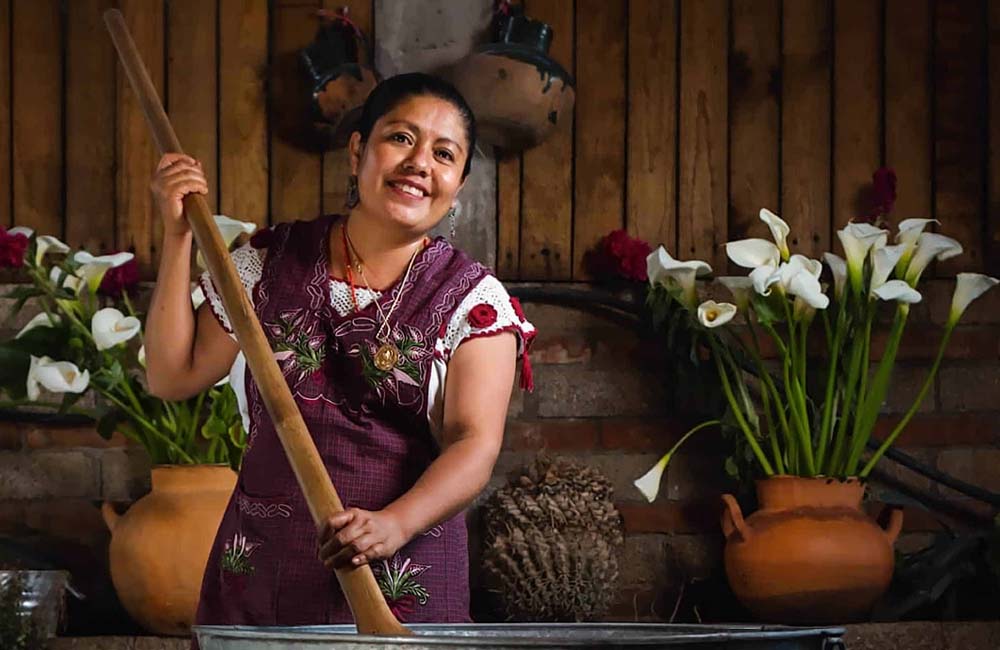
pixel 371 614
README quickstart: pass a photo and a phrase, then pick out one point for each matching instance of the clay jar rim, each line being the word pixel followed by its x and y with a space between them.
pixel 784 491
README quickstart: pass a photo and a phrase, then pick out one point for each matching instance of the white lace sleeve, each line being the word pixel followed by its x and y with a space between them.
pixel 487 310
pixel 249 263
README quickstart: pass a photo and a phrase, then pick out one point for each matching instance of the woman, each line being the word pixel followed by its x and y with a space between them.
pixel 399 350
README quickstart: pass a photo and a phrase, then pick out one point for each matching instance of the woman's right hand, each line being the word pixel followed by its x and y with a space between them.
pixel 176 176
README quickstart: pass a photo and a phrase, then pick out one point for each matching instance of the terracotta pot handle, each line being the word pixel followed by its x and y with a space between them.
pixel 110 515
pixel 732 520
pixel 894 524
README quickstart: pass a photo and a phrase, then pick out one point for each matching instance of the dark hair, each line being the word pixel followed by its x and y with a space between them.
pixel 391 92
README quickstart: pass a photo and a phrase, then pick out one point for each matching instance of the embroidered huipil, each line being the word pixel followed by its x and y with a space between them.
pixel 375 430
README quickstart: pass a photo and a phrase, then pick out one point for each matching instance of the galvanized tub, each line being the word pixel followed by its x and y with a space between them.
pixel 555 636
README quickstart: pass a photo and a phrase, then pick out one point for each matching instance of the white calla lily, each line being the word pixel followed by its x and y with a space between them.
pixel 665 270
pixel 714 314
pixel 48 244
pixel 897 290
pixel 141 356
pixel 740 287
pixel 930 246
pixel 69 281
pixel 763 278
pixel 21 230
pixel 909 232
pixel 110 327
pixel 229 229
pixel 92 268
pixel 806 286
pixel 55 377
pixel 883 262
pixel 968 287
pixel 839 269
pixel 753 253
pixel 649 483
pixel 857 239
pixel 779 230
pixel 40 320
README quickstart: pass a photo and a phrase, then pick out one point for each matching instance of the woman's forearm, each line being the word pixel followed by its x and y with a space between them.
pixel 448 486
pixel 170 324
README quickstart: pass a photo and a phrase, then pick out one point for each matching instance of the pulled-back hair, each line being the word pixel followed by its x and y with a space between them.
pixel 391 92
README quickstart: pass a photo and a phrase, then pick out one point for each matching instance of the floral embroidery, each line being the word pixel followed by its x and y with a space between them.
pixel 298 348
pixel 482 316
pixel 236 555
pixel 408 371
pixel 396 580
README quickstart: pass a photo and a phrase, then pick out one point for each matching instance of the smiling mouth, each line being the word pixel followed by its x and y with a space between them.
pixel 408 189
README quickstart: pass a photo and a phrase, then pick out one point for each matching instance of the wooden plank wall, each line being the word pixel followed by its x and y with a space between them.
pixel 691 115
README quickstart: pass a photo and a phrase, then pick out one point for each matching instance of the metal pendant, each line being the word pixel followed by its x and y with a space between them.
pixel 387 357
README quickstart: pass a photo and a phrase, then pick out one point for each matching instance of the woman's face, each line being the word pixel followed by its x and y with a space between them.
pixel 410 169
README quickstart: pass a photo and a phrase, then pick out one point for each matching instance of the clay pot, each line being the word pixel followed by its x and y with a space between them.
pixel 518 94
pixel 159 548
pixel 810 555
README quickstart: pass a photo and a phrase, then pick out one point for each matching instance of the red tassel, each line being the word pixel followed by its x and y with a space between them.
pixel 527 379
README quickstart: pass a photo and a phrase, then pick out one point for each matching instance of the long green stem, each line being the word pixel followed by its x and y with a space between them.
pixel 149 427
pixel 734 405
pixel 928 382
pixel 831 375
pixel 873 398
pixel 840 447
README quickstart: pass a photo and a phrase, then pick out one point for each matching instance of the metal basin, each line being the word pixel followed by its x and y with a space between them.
pixel 555 636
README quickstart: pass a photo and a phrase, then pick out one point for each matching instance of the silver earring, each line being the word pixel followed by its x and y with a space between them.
pixel 454 213
pixel 353 198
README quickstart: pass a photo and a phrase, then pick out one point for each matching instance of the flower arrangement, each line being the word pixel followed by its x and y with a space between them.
pixel 793 425
pixel 88 337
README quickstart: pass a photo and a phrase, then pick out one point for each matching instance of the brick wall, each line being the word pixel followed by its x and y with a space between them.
pixel 598 398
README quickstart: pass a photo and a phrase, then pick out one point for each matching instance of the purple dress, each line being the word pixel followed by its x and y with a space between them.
pixel 370 427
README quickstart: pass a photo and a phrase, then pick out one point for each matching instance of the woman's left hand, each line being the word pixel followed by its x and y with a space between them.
pixel 355 537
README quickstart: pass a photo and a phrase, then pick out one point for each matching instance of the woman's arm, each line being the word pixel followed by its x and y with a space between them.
pixel 185 353
pixel 477 393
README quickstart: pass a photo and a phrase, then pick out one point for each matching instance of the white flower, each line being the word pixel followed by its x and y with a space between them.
pixel 141 356
pixel 779 230
pixel 857 239
pixel 909 232
pixel 753 253
pixel 93 268
pixel 40 320
pixel 839 269
pixel 111 327
pixel 968 287
pixel 230 229
pixel 930 246
pixel 897 290
pixel 714 314
pixel 883 262
pixel 799 277
pixel 69 281
pixel 55 376
pixel 740 287
pixel 21 230
pixel 649 483
pixel 665 270
pixel 763 277
pixel 48 244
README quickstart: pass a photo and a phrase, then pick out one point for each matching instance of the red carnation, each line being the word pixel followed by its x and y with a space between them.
pixel 516 304
pixel 619 255
pixel 482 316
pixel 120 279
pixel 12 248
pixel 884 190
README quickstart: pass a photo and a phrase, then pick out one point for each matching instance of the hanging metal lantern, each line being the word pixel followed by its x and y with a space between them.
pixel 518 93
